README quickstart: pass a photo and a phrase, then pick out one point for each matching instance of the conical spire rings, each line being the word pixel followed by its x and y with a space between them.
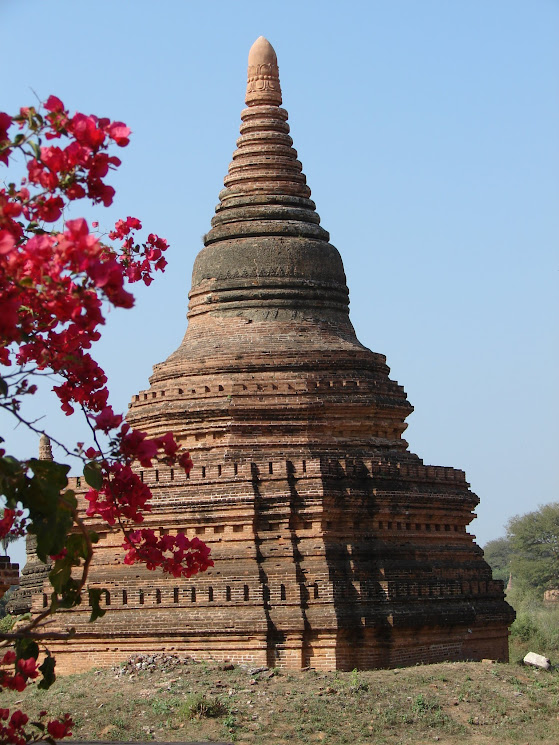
pixel 266 248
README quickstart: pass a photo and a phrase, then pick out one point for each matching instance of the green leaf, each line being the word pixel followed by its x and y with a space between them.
pixel 47 671
pixel 3 387
pixel 92 474
pixel 72 595
pixel 51 518
pixel 33 145
pixel 26 648
pixel 69 498
pixel 12 479
pixel 60 574
pixel 94 600
pixel 50 471
pixel 77 546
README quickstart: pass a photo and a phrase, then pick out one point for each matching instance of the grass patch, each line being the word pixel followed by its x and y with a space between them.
pixel 451 703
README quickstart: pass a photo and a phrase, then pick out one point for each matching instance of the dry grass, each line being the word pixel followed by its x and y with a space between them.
pixel 449 703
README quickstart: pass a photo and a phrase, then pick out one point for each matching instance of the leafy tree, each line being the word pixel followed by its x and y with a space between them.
pixel 534 544
pixel 498 555
pixel 529 551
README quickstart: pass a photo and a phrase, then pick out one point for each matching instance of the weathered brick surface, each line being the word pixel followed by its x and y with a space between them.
pixel 334 546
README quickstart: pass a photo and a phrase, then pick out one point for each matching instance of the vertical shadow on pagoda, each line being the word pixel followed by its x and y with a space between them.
pixel 295 505
pixel 363 628
pixel 288 637
pixel 271 631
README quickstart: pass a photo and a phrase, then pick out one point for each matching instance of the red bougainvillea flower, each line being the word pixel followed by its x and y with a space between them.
pixel 50 209
pixel 9 658
pixel 136 445
pixel 178 555
pixel 5 124
pixel 54 104
pixel 59 728
pixel 28 667
pixel 19 719
pixel 85 130
pixel 12 524
pixel 185 462
pixel 7 242
pixel 53 158
pixel 120 133
pixel 108 420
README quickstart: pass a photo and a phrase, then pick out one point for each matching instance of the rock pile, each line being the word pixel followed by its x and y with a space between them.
pixel 152 662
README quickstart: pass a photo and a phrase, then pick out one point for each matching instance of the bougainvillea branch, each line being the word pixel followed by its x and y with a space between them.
pixel 57 277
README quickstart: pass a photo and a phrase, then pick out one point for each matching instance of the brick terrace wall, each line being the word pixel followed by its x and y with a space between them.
pixel 314 565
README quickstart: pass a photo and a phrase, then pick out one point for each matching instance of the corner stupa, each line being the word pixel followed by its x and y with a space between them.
pixel 335 547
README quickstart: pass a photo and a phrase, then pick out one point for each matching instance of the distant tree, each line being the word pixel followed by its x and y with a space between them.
pixel 498 554
pixel 534 544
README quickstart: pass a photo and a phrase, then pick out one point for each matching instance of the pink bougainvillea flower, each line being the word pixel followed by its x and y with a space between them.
pixel 86 132
pixel 7 242
pixel 54 104
pixel 120 133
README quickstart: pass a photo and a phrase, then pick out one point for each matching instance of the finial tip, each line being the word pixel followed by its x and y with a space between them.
pixel 263 87
pixel 262 52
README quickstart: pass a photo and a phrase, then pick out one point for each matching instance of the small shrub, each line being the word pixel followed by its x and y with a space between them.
pixel 355 683
pixel 536 628
pixel 120 723
pixel 230 722
pixel 198 706
pixel 421 705
pixel 161 706
pixel 7 623
pixel 524 628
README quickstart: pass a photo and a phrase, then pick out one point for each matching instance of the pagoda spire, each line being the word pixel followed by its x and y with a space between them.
pixel 266 254
pixel 265 162
pixel 45 449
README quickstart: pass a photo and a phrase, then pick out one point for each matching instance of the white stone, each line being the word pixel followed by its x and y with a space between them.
pixel 538 660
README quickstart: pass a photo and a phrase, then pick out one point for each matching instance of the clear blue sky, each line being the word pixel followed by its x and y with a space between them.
pixel 428 132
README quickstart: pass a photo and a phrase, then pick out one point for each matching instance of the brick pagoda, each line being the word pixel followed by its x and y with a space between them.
pixel 334 546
